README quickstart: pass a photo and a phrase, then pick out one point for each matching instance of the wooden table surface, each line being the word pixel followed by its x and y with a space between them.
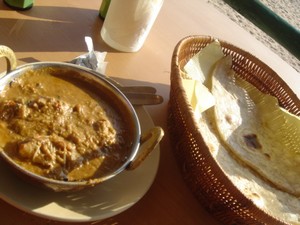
pixel 54 30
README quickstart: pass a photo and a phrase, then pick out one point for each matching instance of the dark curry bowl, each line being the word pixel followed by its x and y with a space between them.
pixel 140 144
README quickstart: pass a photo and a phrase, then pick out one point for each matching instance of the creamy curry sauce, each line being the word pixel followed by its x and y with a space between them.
pixel 61 128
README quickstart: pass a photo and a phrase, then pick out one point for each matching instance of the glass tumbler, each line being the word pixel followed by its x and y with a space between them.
pixel 128 23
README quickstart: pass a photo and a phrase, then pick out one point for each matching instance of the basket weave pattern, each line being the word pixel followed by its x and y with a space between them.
pixel 201 172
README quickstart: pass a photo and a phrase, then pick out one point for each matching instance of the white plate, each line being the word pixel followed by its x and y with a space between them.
pixel 103 201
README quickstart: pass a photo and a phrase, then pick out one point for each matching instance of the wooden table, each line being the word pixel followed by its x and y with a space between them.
pixel 54 30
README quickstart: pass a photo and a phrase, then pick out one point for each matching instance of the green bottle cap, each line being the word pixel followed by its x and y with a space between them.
pixel 103 8
pixel 19 4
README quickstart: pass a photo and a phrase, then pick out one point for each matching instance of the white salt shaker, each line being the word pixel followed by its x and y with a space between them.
pixel 128 23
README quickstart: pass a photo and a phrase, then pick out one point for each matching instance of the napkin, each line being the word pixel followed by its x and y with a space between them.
pixel 93 59
pixel 199 96
pixel 198 70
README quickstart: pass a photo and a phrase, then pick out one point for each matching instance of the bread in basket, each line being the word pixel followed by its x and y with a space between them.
pixel 210 185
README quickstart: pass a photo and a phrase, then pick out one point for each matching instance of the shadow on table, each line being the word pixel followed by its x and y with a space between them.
pixel 46 29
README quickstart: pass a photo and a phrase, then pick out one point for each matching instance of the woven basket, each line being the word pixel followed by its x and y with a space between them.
pixel 206 180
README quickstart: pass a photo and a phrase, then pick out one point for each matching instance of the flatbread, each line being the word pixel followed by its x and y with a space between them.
pixel 273 196
pixel 279 204
pixel 257 132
